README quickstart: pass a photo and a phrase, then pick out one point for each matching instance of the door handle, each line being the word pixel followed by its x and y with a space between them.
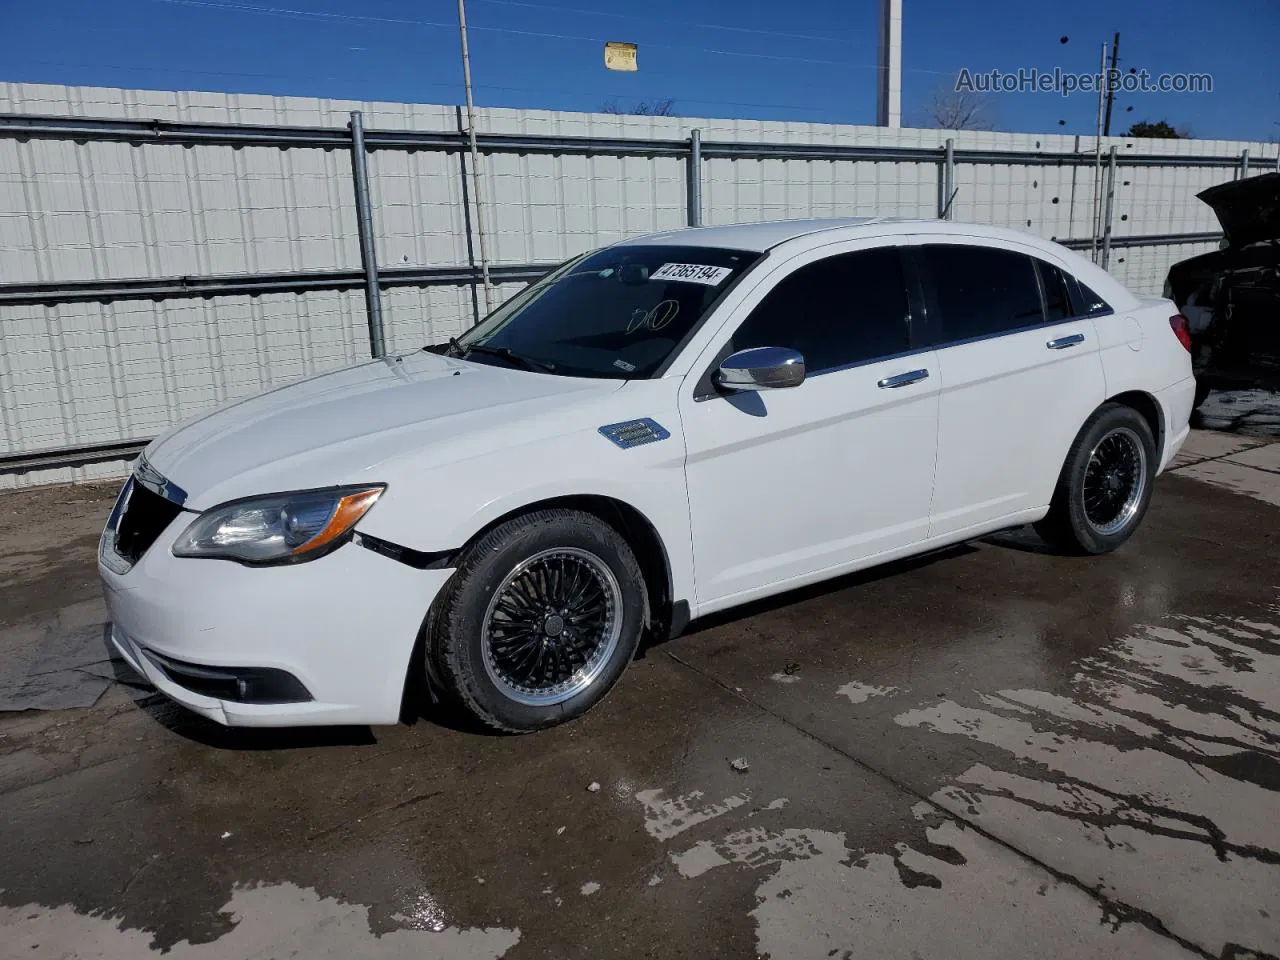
pixel 1063 342
pixel 902 379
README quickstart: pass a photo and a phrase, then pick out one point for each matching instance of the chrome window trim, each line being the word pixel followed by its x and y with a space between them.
pixel 1008 333
pixel 865 363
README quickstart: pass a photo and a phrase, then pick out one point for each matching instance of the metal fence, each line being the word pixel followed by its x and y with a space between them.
pixel 152 266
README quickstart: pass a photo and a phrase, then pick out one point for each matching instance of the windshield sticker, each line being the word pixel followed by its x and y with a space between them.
pixel 623 365
pixel 691 273
pixel 655 318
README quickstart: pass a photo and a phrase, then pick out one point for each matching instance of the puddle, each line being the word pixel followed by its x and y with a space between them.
pixel 1151 781
pixel 270 921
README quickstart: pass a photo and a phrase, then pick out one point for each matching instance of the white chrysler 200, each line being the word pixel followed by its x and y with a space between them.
pixel 661 429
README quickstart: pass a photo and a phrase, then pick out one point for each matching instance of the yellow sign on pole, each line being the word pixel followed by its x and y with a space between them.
pixel 620 56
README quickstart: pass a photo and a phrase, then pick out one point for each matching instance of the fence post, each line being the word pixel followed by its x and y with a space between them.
pixel 942 184
pixel 1110 208
pixel 364 225
pixel 1244 163
pixel 693 178
pixel 950 179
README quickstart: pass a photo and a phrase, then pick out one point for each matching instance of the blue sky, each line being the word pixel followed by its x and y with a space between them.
pixel 798 60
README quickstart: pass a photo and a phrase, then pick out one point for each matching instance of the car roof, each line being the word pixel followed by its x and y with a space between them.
pixel 766 235
pixel 803 234
pixel 750 236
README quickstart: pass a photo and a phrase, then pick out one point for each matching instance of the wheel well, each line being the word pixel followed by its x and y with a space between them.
pixel 635 528
pixel 1146 405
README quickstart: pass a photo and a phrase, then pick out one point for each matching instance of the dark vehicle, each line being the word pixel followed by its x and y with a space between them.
pixel 1231 297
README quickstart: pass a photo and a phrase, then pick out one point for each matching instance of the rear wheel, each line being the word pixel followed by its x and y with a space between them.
pixel 540 619
pixel 1105 484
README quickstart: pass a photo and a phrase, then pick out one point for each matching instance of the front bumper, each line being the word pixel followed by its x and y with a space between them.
pixel 343 625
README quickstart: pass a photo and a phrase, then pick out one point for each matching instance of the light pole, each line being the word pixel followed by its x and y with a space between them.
pixel 475 157
pixel 889 66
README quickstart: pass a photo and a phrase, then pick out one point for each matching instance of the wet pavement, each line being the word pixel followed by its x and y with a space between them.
pixel 990 752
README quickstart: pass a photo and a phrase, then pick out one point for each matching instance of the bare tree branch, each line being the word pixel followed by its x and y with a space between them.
pixel 642 108
pixel 952 109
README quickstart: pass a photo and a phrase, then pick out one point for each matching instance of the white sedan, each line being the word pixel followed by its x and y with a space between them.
pixel 655 431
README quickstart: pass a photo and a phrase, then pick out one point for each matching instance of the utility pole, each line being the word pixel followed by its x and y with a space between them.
pixel 1097 160
pixel 889 66
pixel 475 158
pixel 1111 92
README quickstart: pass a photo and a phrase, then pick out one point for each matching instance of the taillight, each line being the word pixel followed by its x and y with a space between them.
pixel 1180 330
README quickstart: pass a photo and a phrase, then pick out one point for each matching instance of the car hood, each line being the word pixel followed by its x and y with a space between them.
pixel 340 427
pixel 1248 209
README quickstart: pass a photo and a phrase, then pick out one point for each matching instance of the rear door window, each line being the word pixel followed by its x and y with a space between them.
pixel 982 291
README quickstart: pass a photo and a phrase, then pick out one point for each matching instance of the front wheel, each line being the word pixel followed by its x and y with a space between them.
pixel 1105 484
pixel 539 620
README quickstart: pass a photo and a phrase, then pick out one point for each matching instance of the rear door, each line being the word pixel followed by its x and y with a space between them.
pixel 1020 373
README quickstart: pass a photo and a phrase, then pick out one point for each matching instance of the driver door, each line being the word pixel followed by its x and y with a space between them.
pixel 791 485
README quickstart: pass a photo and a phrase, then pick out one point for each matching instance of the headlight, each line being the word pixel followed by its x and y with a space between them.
pixel 281 528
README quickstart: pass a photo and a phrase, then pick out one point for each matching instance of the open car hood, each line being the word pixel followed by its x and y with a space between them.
pixel 1248 209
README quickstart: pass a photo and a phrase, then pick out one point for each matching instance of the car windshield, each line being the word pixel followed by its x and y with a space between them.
pixel 617 313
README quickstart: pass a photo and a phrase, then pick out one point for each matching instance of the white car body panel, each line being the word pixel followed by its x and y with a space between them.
pixel 352 425
pixel 771 497
pixel 1010 407
pixel 345 626
pixel 750 495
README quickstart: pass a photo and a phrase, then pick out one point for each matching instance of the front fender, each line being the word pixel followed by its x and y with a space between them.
pixel 442 507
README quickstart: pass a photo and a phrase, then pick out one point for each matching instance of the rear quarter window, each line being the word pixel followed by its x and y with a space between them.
pixel 1087 303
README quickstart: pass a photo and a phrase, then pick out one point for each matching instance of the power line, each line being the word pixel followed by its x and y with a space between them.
pixel 533 91
pixel 287 12
pixel 650 20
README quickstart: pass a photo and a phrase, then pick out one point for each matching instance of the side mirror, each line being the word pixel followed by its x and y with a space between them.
pixel 761 368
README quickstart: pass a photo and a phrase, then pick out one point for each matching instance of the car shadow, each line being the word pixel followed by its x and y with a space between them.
pixel 815 591
pixel 193 727
pixel 1024 539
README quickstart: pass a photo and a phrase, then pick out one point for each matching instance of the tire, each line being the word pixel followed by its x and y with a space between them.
pixel 1202 394
pixel 539 620
pixel 1099 503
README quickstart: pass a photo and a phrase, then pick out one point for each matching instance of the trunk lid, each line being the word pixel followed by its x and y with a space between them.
pixel 1248 209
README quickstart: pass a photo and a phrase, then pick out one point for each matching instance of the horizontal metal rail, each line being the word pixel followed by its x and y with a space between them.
pixel 253 135
pixel 777 151
pixel 70 456
pixel 255 284
pixel 249 135
pixel 1148 240
pixel 231 285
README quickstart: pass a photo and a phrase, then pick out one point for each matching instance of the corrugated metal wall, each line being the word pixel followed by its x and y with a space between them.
pixel 86 373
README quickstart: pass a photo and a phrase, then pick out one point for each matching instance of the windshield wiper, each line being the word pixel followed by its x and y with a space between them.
pixel 505 353
pixel 452 348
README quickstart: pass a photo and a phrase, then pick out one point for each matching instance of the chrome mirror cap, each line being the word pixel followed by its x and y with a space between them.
pixel 761 368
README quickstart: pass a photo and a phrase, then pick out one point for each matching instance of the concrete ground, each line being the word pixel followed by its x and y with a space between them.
pixel 992 752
